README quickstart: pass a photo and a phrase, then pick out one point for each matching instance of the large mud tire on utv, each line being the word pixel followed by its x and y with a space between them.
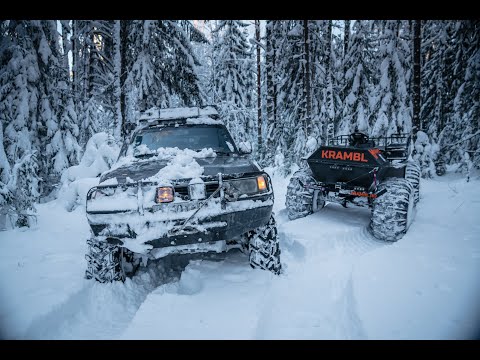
pixel 107 262
pixel 393 212
pixel 412 174
pixel 264 247
pixel 299 201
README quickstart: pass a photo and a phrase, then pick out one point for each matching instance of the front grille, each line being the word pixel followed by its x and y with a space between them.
pixel 182 191
pixel 210 188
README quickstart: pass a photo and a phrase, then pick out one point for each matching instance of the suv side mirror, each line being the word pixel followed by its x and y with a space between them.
pixel 245 147
pixel 130 126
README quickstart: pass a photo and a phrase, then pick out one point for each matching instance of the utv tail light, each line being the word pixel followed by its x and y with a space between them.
pixel 262 184
pixel 164 195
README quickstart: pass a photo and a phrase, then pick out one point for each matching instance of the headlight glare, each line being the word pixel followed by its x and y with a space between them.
pixel 164 194
pixel 262 184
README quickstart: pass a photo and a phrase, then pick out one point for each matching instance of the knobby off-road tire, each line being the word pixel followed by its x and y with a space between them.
pixel 393 212
pixel 264 247
pixel 299 201
pixel 412 174
pixel 107 263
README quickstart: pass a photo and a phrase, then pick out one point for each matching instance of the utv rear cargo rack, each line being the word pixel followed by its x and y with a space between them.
pixel 395 147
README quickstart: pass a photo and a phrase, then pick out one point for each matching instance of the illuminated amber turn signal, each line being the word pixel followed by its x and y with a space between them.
pixel 164 195
pixel 262 185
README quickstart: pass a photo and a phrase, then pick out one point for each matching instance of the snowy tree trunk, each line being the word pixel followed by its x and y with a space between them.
pixel 270 63
pixel 75 62
pixel 259 89
pixel 66 48
pixel 417 42
pixel 346 38
pixel 120 46
pixel 307 90
pixel 328 71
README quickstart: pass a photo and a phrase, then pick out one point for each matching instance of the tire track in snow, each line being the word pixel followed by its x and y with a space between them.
pixel 212 300
pixel 316 293
pixel 103 311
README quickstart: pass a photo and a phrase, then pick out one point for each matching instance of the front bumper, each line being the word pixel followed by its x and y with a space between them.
pixel 225 225
pixel 164 225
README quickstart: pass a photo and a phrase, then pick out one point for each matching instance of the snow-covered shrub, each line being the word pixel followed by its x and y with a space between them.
pixel 426 153
pixel 19 192
pixel 100 154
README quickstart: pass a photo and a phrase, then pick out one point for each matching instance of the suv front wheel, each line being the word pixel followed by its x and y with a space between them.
pixel 108 263
pixel 264 247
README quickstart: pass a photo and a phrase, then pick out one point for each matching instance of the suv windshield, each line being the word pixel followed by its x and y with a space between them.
pixel 196 137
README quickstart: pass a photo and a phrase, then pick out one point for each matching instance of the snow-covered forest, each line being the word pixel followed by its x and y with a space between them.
pixel 291 81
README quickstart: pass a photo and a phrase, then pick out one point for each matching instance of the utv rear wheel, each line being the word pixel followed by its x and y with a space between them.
pixel 299 200
pixel 393 211
pixel 412 174
pixel 264 247
pixel 107 262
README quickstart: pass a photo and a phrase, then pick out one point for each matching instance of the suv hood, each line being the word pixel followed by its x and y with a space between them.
pixel 212 166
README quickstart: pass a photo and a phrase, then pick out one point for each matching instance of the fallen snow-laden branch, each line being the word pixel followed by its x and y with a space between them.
pixel 460 141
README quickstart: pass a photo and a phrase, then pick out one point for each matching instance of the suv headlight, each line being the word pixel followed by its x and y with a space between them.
pixel 261 183
pixel 102 192
pixel 248 186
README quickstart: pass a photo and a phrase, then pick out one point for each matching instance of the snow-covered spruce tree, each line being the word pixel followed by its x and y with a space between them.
pixel 181 76
pixel 5 167
pixel 25 113
pixel 319 58
pixel 63 148
pixel 463 143
pixel 146 80
pixel 328 109
pixel 203 51
pixel 94 76
pixel 434 87
pixel 234 79
pixel 274 38
pixel 472 94
pixel 6 195
pixel 357 86
pixel 258 46
pixel 392 112
pixel 303 54
pixel 291 127
pixel 120 46
pixel 434 72
pixel 162 70
pixel 337 74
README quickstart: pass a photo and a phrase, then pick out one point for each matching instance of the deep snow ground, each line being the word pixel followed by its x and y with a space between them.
pixel 338 281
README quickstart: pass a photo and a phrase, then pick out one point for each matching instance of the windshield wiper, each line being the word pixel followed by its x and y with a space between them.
pixel 147 155
pixel 223 152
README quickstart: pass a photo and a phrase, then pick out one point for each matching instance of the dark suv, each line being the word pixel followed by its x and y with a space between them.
pixel 180 185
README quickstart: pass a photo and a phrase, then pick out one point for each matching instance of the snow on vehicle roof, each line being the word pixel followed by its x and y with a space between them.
pixel 155 114
pixel 203 120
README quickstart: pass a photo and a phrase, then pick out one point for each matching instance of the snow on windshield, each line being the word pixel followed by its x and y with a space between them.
pixel 168 154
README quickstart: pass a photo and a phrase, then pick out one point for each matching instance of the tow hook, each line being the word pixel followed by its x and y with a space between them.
pixel 202 204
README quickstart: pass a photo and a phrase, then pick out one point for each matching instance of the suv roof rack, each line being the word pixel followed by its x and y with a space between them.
pixel 155 114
